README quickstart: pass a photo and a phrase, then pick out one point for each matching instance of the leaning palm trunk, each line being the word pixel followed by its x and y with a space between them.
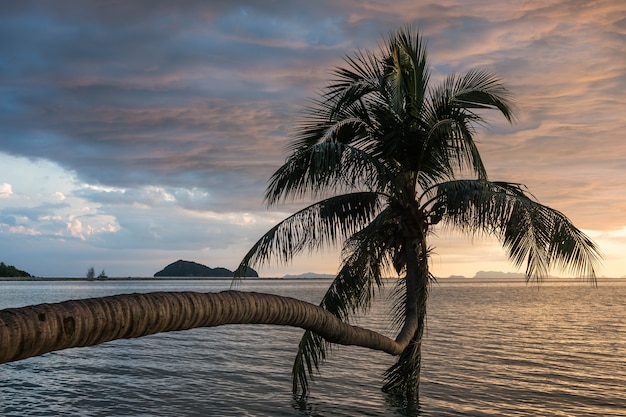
pixel 35 330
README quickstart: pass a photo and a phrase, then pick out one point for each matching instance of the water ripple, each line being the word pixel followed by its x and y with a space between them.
pixel 491 349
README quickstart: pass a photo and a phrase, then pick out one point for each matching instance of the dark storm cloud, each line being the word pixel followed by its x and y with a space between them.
pixel 202 94
pixel 129 94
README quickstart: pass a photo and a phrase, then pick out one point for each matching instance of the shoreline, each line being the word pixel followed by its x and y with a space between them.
pixel 439 280
pixel 81 279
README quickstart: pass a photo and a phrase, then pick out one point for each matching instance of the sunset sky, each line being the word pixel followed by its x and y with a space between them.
pixel 137 133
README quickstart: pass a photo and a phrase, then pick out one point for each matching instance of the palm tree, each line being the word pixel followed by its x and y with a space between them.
pixel 388 159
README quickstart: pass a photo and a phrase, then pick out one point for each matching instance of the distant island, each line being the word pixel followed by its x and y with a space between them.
pixel 9 271
pixel 491 275
pixel 182 268
pixel 498 274
pixel 309 275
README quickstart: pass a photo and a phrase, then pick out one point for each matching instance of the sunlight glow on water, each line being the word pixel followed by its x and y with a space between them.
pixel 491 349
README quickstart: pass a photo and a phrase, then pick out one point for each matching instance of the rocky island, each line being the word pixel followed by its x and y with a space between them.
pixel 182 268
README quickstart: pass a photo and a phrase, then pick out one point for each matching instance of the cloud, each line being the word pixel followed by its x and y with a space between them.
pixel 156 123
pixel 6 190
pixel 75 228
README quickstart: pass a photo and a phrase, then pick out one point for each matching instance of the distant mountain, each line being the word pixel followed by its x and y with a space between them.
pixel 182 268
pixel 498 274
pixel 309 275
pixel 456 277
pixel 12 272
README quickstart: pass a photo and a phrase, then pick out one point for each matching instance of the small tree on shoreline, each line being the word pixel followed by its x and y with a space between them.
pixel 91 273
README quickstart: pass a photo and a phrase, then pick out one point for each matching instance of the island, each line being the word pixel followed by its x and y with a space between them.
pixel 182 268
pixel 9 271
pixel 309 275
pixel 498 274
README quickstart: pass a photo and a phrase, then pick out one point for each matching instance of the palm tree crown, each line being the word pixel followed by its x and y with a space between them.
pixel 387 157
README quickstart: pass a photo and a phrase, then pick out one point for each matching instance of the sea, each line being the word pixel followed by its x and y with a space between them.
pixel 491 348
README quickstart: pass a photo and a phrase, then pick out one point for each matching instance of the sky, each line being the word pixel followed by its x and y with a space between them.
pixel 134 134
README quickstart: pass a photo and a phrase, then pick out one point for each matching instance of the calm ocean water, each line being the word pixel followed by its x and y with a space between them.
pixel 491 349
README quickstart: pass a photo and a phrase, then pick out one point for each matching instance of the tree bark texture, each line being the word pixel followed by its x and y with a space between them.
pixel 35 330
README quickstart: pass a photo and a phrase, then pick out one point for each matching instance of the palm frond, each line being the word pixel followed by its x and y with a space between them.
pixel 366 257
pixel 451 114
pixel 326 222
pixel 480 89
pixel 326 167
pixel 312 169
pixel 531 232
pixel 449 147
pixel 312 351
pixel 363 76
pixel 408 72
